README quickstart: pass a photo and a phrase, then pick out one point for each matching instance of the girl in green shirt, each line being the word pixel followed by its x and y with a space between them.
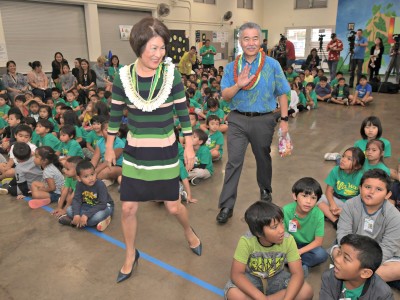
pixel 374 158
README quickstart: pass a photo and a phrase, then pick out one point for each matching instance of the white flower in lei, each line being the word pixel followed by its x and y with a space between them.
pixel 134 96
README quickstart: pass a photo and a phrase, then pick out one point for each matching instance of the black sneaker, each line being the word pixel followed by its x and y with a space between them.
pixel 65 220
pixel 265 196
pixel 195 181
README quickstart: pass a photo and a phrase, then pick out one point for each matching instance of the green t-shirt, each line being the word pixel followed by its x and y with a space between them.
pixel 379 165
pixel 308 228
pixel 316 80
pixel 197 96
pixel 362 144
pixel 35 138
pixel 72 148
pixel 303 99
pixel 345 185
pixel 203 157
pixel 92 138
pixel 219 113
pixel 4 110
pixel 265 262
pixel 334 83
pixel 313 96
pixel 353 294
pixel 3 123
pixel 182 170
pixel 49 140
pixel 207 59
pixel 215 139
pixel 70 183
pixel 290 77
pixel 340 92
pixel 80 133
pixel 59 100
pixel 74 104
pixel 194 103
pixel 224 106
pixel 56 127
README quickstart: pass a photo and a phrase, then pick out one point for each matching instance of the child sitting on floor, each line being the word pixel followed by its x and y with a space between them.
pixel 362 93
pixel 305 222
pixel 92 204
pixel 308 99
pixel 69 146
pixel 215 141
pixel 353 276
pixel 203 167
pixel 213 109
pixel 323 90
pixel 49 189
pixel 374 158
pixel 261 256
pixel 341 93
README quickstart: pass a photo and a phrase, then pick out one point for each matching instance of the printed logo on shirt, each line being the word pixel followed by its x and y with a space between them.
pixel 89 198
pixel 347 188
pixel 266 264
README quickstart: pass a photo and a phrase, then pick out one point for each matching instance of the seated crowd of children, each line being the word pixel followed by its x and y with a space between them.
pixel 55 149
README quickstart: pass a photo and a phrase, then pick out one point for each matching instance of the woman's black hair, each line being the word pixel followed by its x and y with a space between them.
pixel 69 130
pixel 48 108
pixel 261 214
pixel 10 62
pixel 381 46
pixel 35 64
pixel 111 59
pixel 49 154
pixel 308 186
pixel 371 120
pixel 81 73
pixel 46 124
pixel 70 118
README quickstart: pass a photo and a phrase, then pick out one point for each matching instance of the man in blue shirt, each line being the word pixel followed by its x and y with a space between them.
pixel 357 60
pixel 251 84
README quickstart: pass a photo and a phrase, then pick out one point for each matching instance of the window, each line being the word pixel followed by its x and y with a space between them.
pixel 248 4
pixel 205 1
pixel 303 4
pixel 298 38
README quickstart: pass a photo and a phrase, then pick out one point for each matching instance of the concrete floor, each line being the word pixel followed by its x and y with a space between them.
pixel 40 259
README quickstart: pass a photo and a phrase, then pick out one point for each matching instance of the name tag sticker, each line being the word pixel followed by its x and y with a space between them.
pixel 368 225
pixel 292 226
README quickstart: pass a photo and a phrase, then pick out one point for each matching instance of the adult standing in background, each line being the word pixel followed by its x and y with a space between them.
pixel 86 81
pixel 290 53
pixel 207 52
pixel 114 67
pixel 360 44
pixel 334 47
pixel 151 90
pixel 396 66
pixel 251 83
pixel 14 82
pixel 100 70
pixel 375 60
pixel 264 46
pixel 56 66
pixel 38 80
pixel 77 66
pixel 186 62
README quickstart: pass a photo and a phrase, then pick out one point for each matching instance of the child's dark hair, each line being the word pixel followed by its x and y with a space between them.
pixel 70 92
pixel 381 147
pixel 20 98
pixel 74 159
pixel 123 131
pixel 322 70
pixel 363 77
pixel 358 158
pixel 311 84
pixel 16 112
pixel 94 96
pixel 30 121
pixel 107 94
pixel 211 118
pixel 83 165
pixel 212 79
pixel 46 124
pixel 342 79
pixel 22 151
pixel 100 89
pixel 195 115
pixel 204 82
pixel 212 103
pixel 71 118
pixel 97 119
pixel 23 128
pixel 69 130
pixel 378 174
pixel 5 97
pixel 201 135
pixel 260 214
pixel 104 124
pixel 60 104
pixel 207 91
pixel 323 79
pixel 371 120
pixel 48 108
pixel 190 91
pixel 54 89
pixel 308 186
pixel 102 109
pixel 49 154
pixel 369 253
pixel 339 73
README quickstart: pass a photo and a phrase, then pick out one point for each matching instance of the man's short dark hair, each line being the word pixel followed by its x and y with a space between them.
pixel 260 214
pixel 201 135
pixel 369 252
pixel 378 174
pixel 23 128
pixel 144 30
pixel 22 151
pixel 308 186
pixel 83 165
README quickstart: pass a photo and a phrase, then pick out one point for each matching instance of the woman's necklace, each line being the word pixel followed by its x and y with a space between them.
pixel 130 84
pixel 237 68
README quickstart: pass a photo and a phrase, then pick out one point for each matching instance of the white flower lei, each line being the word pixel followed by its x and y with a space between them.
pixel 163 94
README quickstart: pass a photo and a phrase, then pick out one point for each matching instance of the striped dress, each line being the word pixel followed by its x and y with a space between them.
pixel 150 169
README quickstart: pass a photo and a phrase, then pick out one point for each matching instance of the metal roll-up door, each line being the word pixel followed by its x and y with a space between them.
pixel 110 37
pixel 35 31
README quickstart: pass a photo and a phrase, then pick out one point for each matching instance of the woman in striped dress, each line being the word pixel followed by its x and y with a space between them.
pixel 151 89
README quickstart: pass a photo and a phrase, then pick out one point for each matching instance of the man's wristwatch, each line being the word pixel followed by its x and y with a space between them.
pixel 286 119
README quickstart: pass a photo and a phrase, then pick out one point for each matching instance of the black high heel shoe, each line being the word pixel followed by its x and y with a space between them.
pixel 121 276
pixel 197 250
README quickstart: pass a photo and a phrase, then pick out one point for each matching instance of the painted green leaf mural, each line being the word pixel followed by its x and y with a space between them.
pixel 375 9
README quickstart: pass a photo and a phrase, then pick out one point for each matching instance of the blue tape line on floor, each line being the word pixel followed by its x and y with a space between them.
pixel 151 259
